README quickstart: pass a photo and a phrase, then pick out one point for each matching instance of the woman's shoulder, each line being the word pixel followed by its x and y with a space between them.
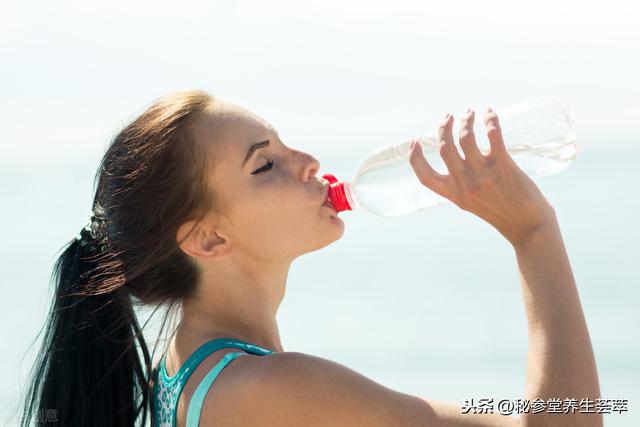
pixel 294 388
pixel 287 367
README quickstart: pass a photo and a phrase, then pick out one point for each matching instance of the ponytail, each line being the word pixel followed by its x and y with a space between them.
pixel 89 371
pixel 94 367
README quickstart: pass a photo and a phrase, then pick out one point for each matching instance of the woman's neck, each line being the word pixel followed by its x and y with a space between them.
pixel 237 303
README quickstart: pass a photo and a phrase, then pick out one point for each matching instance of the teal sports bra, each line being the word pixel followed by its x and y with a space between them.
pixel 166 389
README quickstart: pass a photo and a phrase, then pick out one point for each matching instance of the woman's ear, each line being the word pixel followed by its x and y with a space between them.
pixel 195 240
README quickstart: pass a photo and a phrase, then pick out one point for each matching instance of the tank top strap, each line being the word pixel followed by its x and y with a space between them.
pixel 201 353
pixel 174 384
pixel 197 400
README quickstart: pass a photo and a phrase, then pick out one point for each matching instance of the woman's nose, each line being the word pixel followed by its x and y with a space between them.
pixel 312 165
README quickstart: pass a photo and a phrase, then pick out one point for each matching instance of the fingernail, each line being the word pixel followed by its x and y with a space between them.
pixel 446 116
pixel 489 110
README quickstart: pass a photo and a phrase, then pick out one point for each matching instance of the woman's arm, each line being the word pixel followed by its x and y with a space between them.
pixel 560 360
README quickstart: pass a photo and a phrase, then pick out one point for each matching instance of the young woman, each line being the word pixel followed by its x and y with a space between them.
pixel 199 203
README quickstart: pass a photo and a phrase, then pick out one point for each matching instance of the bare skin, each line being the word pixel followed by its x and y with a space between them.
pixel 243 287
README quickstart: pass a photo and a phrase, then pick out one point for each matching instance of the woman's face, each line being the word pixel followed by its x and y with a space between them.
pixel 273 196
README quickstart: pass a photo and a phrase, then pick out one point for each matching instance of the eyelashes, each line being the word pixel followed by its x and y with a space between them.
pixel 264 168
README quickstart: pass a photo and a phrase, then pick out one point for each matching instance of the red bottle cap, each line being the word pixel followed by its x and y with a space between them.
pixel 337 195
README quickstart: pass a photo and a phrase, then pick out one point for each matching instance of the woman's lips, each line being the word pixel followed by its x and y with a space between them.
pixel 327 201
pixel 328 204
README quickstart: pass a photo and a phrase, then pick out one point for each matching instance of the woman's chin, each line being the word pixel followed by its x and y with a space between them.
pixel 335 232
pixel 333 217
pixel 338 222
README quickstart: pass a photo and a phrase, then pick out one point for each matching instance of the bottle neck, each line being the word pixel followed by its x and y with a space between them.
pixel 348 193
pixel 340 196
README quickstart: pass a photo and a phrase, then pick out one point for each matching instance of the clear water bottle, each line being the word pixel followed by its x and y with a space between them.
pixel 538 134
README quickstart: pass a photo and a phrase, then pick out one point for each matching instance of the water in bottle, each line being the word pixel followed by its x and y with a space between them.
pixel 538 134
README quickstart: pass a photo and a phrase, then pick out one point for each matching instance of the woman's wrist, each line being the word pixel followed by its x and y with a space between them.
pixel 547 229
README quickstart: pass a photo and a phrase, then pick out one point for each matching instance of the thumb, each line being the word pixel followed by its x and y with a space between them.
pixel 428 176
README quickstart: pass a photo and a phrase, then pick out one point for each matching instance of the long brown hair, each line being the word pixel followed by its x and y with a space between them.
pixel 94 366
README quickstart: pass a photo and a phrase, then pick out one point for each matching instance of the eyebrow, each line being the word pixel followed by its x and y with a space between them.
pixel 252 149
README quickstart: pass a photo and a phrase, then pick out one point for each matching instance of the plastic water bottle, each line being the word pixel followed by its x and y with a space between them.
pixel 538 134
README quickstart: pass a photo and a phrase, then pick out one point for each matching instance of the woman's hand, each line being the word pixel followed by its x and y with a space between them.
pixel 490 186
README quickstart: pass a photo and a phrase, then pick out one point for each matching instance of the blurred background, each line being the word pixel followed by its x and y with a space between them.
pixel 427 304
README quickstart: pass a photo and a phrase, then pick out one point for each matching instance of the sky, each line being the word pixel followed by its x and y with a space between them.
pixel 326 73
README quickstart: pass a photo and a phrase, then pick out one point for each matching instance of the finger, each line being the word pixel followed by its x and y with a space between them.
pixel 448 150
pixel 428 176
pixel 494 133
pixel 472 154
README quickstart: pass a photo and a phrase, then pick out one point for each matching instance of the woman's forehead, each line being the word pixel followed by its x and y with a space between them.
pixel 229 131
pixel 232 123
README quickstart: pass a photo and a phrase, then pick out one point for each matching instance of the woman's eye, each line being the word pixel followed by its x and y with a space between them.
pixel 264 168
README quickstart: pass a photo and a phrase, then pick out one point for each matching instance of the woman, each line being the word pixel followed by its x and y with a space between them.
pixel 199 203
